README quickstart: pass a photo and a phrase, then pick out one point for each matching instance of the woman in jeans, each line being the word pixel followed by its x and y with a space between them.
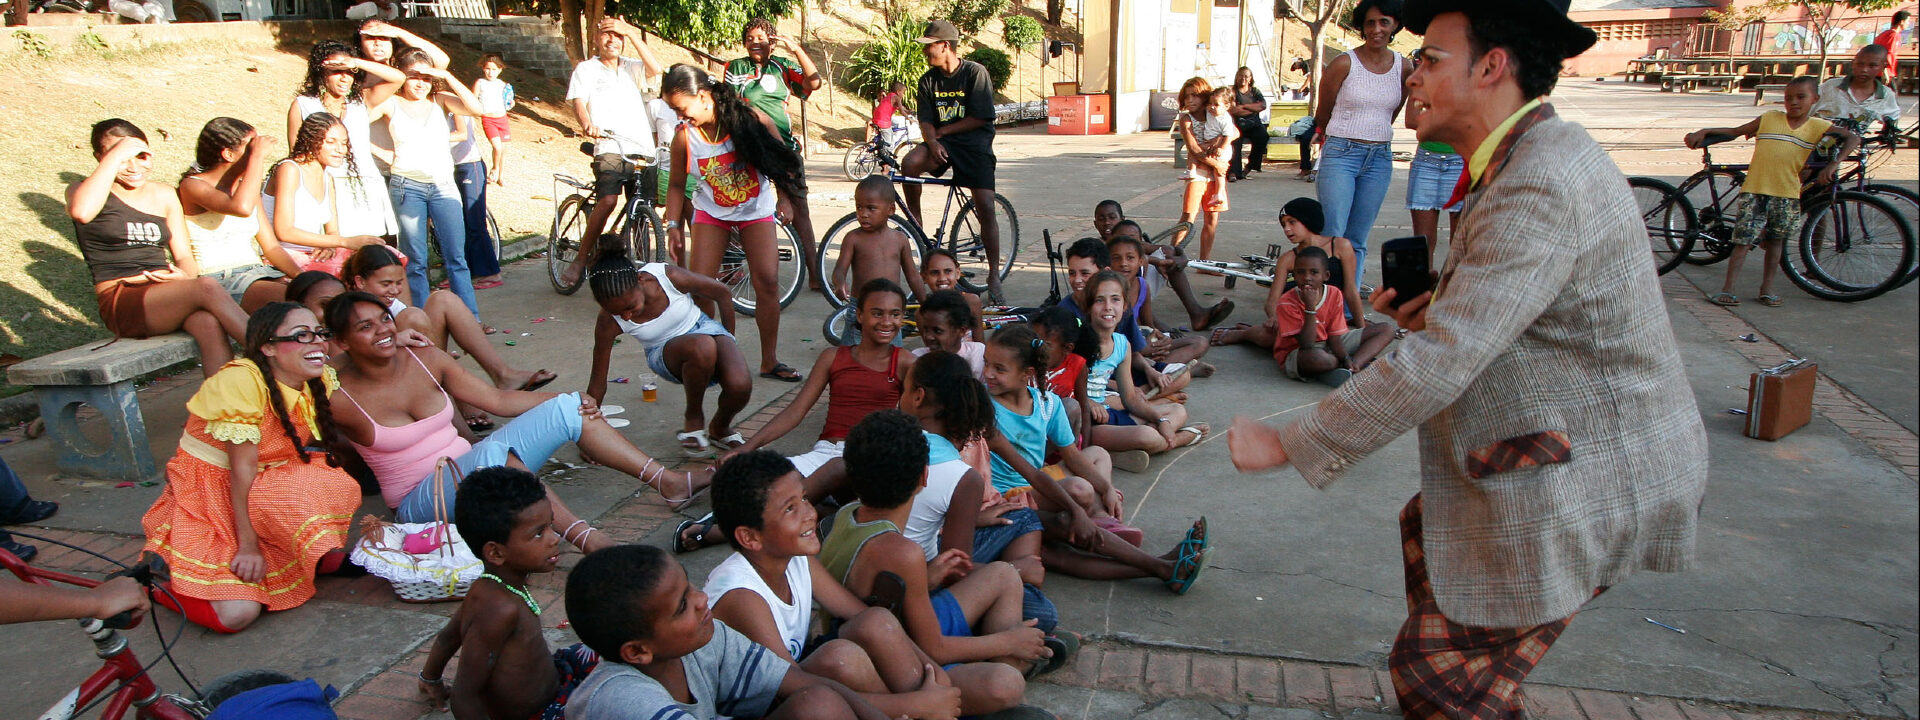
pixel 1431 180
pixel 1360 94
pixel 1248 104
pixel 421 178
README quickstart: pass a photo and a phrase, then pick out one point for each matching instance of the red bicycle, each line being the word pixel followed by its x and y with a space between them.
pixel 122 683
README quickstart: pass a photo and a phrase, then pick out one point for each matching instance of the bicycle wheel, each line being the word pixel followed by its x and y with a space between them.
pixel 838 327
pixel 1714 212
pixel 832 243
pixel 964 240
pixel 790 272
pixel 643 234
pixel 860 162
pixel 493 234
pixel 563 243
pixel 1852 247
pixel 1908 202
pixel 1669 221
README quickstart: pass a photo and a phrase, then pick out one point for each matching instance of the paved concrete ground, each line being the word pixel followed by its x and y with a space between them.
pixel 1804 598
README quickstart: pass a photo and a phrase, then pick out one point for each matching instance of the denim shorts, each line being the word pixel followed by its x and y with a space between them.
pixel 533 437
pixel 236 280
pixel 657 354
pixel 989 542
pixel 1431 179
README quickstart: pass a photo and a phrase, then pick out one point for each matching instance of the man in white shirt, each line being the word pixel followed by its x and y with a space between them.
pixel 1859 99
pixel 607 95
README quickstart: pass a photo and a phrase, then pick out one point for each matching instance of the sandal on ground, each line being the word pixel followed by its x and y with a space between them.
pixel 1192 559
pixel 681 544
pixel 695 443
pixel 488 284
pixel 1063 644
pixel 1771 300
pixel 782 372
pixel 1218 313
pixel 1131 535
pixel 539 380
pixel 729 442
pixel 1334 378
pixel 1725 298
pixel 1218 338
pixel 479 422
pixel 1133 461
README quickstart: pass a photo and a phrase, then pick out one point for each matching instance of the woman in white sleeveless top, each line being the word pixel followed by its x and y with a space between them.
pixel 300 202
pixel 421 180
pixel 220 197
pixel 335 85
pixel 1360 94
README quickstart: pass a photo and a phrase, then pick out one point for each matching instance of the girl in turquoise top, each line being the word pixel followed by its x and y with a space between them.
pixel 1136 425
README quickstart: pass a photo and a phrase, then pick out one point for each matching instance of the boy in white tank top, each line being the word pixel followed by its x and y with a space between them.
pixel 768 587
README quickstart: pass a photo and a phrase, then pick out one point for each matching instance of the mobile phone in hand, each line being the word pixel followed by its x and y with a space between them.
pixel 1404 268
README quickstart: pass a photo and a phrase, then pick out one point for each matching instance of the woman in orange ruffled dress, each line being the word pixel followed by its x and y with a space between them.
pixel 248 518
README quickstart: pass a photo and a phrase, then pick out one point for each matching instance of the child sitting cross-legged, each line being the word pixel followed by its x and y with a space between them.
pixel 769 587
pixel 974 625
pixel 1136 425
pixel 1087 256
pixel 1080 513
pixel 1302 220
pixel 505 669
pixel 665 658
pixel 1311 338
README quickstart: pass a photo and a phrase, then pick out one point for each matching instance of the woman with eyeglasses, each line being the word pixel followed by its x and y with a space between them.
pixel 344 86
pixel 126 226
pixel 256 503
pixel 397 408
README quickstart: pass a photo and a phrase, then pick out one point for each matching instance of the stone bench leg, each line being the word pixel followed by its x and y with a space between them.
pixel 125 456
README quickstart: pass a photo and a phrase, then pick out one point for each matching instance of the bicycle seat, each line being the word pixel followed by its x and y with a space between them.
pixel 586 148
pixel 1713 139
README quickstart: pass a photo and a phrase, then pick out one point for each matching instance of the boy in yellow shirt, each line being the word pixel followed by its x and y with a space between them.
pixel 1769 202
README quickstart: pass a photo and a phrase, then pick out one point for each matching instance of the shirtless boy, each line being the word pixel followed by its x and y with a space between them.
pixel 875 250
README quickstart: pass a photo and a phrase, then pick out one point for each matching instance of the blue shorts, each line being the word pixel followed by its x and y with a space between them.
pixel 1431 179
pixel 1119 417
pixel 533 437
pixel 953 620
pixel 657 354
pixel 989 542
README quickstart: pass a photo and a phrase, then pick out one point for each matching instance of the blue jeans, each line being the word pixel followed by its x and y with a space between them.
pixel 1353 183
pixel 13 497
pixel 472 179
pixel 414 202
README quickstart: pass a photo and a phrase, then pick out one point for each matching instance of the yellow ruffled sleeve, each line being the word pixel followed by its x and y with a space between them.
pixel 233 402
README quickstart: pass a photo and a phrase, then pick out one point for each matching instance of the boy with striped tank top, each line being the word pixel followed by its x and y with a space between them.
pixel 1769 203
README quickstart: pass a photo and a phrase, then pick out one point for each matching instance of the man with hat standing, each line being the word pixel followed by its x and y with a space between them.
pixel 1560 447
pixel 955 106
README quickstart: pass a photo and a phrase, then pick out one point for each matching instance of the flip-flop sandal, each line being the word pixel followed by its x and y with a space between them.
pixel 1199 431
pixel 1219 312
pixel 617 423
pixel 1063 644
pixel 1192 559
pixel 1334 378
pixel 539 380
pixel 488 284
pixel 1727 299
pixel 701 447
pixel 479 423
pixel 1131 535
pixel 1771 300
pixel 889 593
pixel 730 442
pixel 681 544
pixel 782 372
pixel 611 410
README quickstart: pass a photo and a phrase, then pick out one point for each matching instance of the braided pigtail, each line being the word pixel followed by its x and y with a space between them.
pixel 264 323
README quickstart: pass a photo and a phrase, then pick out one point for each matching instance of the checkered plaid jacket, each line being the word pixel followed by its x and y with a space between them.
pixel 1560 446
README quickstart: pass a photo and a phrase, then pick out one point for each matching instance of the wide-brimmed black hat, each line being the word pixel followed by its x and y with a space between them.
pixel 1545 16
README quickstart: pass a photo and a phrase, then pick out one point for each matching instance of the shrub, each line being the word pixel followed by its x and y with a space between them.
pixel 971 15
pixel 893 57
pixel 999 66
pixel 1022 32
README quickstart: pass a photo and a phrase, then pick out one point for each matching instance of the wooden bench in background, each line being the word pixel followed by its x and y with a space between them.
pixel 1686 83
pixel 101 374
pixel 1760 91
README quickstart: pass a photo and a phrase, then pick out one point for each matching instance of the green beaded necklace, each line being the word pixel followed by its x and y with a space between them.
pixel 531 605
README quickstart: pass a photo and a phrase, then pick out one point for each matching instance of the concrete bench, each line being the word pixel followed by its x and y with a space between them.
pixel 101 374
pixel 1760 92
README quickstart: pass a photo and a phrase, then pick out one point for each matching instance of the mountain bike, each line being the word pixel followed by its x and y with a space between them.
pixel 637 226
pixel 122 685
pixel 961 237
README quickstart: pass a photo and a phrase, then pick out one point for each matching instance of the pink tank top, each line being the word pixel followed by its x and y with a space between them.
pixel 403 457
pixel 1367 102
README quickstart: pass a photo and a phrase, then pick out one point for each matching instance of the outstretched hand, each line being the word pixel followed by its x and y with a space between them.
pixel 1254 445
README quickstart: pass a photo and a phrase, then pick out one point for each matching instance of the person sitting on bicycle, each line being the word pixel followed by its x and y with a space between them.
pixel 654 304
pixel 885 110
pixel 1769 204
pixel 875 249
pixel 745 176
pixel 605 92
pixel 955 105
pixel 1858 99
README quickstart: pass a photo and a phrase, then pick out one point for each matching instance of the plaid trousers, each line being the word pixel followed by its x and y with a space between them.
pixel 1442 669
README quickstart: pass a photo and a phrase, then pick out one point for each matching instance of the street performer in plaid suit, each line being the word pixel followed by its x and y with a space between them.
pixel 1560 447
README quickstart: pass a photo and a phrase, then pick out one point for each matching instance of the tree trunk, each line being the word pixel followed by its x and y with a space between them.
pixel 1055 8
pixel 590 30
pixel 570 30
pixel 1316 31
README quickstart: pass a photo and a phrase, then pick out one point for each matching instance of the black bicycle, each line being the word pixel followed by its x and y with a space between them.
pixel 958 231
pixel 637 226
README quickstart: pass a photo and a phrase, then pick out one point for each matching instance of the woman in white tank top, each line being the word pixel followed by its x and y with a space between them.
pixel 1360 94
pixel 420 180
pixel 299 200
pixel 220 197
pixel 335 85
pixel 745 177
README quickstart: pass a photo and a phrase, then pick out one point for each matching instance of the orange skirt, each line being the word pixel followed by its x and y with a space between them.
pixel 299 511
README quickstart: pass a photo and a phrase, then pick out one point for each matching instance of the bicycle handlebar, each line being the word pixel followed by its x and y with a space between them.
pixel 151 568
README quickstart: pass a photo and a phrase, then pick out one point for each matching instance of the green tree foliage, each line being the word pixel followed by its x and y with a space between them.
pixel 1022 32
pixel 704 23
pixel 972 15
pixel 893 57
pixel 999 66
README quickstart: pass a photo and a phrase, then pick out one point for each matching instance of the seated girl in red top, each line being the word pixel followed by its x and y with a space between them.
pixel 126 225
pixel 1311 337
